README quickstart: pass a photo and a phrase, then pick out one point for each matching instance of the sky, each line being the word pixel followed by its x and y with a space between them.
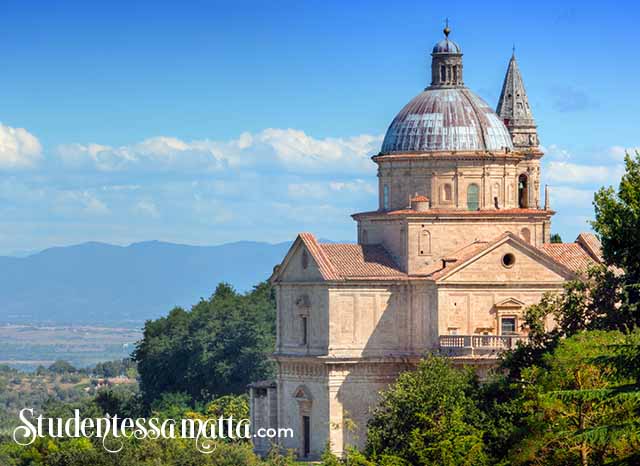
pixel 208 122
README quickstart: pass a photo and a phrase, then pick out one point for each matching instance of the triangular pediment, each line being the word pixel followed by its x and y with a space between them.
pixel 510 303
pixel 506 259
pixel 305 262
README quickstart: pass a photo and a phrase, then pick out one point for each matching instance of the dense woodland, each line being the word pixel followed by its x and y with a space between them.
pixel 570 396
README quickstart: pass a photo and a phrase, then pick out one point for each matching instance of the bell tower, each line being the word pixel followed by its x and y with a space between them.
pixel 514 110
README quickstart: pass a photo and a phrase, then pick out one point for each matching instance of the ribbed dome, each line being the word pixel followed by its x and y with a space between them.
pixel 446 119
pixel 446 46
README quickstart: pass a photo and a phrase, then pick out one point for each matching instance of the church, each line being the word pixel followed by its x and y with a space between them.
pixel 457 248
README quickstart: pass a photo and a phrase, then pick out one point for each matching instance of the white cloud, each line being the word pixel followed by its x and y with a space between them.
pixel 146 207
pixel 570 197
pixel 556 152
pixel 285 149
pixel 566 172
pixel 332 191
pixel 618 152
pixel 18 148
pixel 69 202
pixel 160 153
pixel 355 186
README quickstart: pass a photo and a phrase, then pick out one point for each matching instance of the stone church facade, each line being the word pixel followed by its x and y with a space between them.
pixel 458 247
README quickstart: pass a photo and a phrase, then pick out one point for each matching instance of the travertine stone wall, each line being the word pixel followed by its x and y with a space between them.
pixel 489 269
pixel 373 321
pixel 469 303
pixel 473 310
pixel 429 176
pixel 264 413
pixel 295 270
pixel 303 300
pixel 416 243
pixel 354 391
pixel 355 321
pixel 310 378
pixel 337 397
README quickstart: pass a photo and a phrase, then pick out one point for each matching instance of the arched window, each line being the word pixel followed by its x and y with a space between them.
pixel 385 197
pixel 447 193
pixel 523 193
pixel 473 197
pixel 526 235
pixel 424 243
pixel 443 73
pixel 495 194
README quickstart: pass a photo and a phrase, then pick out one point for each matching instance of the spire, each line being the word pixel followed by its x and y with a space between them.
pixel 446 29
pixel 513 108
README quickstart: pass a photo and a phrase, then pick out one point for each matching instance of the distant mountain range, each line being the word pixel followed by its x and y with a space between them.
pixel 97 283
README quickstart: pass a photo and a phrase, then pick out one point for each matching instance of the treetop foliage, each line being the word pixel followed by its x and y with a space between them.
pixel 217 348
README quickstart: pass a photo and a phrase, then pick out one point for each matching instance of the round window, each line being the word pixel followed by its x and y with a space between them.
pixel 508 260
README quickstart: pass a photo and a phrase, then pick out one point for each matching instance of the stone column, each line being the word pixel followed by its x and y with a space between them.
pixel 336 417
pixel 531 188
pixel 483 196
pixel 457 187
pixel 435 201
pixel 278 323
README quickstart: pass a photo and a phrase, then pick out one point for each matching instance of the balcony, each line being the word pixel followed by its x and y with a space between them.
pixel 478 346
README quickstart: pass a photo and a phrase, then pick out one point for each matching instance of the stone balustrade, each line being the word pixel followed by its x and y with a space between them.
pixel 478 345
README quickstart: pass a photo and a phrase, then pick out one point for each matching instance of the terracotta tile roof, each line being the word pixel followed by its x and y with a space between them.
pixel 441 268
pixel 591 244
pixel 324 264
pixel 571 255
pixel 420 198
pixel 356 261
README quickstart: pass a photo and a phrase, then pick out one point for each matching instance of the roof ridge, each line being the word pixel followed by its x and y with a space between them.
pixel 324 264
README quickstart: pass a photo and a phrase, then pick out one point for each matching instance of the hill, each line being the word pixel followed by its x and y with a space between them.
pixel 98 283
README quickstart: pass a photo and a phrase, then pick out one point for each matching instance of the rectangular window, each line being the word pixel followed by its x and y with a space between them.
pixel 306 434
pixel 508 326
pixel 385 197
pixel 304 330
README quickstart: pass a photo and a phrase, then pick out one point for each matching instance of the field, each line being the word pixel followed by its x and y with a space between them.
pixel 26 347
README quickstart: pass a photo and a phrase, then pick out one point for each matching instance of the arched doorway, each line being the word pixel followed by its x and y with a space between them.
pixel 523 192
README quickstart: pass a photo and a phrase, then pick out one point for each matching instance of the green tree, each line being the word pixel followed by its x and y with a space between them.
pixel 589 303
pixel 617 222
pixel 556 238
pixel 61 367
pixel 217 348
pixel 236 406
pixel 569 398
pixel 429 417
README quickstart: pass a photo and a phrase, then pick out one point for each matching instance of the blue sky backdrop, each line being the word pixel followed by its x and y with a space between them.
pixel 206 122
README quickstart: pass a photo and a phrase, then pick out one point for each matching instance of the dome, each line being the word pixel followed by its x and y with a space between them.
pixel 446 46
pixel 446 119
